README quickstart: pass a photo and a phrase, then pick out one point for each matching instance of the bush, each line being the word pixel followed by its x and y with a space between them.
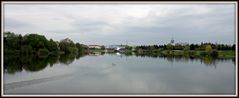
pixel 74 50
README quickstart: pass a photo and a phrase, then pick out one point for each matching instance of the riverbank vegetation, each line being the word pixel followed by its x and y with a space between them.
pixel 189 50
pixel 39 45
pixel 34 63
pixel 33 52
pixel 36 44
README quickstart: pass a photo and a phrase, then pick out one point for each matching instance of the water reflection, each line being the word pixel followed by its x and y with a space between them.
pixel 31 63
pixel 207 60
pixel 67 58
pixel 121 73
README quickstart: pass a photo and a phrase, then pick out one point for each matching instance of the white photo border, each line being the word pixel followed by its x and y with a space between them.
pixel 119 2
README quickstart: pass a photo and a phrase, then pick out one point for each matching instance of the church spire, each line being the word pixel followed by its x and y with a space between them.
pixel 172 40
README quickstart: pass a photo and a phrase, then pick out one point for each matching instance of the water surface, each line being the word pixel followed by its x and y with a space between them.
pixel 118 74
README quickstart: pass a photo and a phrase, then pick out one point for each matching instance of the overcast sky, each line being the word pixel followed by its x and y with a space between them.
pixel 136 24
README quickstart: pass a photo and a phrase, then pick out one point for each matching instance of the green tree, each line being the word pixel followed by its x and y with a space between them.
pixel 68 46
pixel 186 48
pixel 35 41
pixel 79 46
pixel 151 48
pixel 52 46
pixel 102 47
pixel 12 41
pixel 169 46
pixel 208 50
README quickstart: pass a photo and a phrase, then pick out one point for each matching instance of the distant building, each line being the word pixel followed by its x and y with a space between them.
pixel 116 47
pixel 94 46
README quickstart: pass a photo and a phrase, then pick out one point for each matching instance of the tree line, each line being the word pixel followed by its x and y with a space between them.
pixel 201 46
pixel 38 44
pixel 203 49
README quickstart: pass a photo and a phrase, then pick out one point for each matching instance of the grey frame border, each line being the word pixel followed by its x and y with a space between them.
pixel 120 2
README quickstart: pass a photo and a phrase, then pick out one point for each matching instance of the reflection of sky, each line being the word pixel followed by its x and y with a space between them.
pixel 115 74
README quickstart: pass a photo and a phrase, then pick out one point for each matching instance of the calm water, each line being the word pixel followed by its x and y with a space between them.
pixel 117 74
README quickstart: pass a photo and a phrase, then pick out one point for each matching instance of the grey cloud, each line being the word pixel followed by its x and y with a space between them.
pixel 213 26
pixel 184 23
pixel 14 23
pixel 89 25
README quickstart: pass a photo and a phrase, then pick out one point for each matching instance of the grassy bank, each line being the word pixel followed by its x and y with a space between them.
pixel 226 54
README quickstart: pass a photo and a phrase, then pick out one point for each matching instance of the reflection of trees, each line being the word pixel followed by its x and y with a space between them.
pixel 128 53
pixel 207 60
pixel 32 63
pixel 35 64
pixel 170 59
pixel 53 59
pixel 233 60
pixel 67 58
pixel 12 64
pixel 80 54
pixel 102 53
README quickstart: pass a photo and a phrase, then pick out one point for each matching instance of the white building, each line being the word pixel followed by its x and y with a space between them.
pixel 94 46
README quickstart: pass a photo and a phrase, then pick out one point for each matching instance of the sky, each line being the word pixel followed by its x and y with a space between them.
pixel 132 24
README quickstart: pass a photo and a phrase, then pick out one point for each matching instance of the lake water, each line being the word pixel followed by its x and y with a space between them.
pixel 118 74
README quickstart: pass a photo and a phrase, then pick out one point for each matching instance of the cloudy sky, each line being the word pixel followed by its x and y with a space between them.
pixel 136 24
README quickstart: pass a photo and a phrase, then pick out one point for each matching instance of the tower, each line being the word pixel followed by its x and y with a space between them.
pixel 172 40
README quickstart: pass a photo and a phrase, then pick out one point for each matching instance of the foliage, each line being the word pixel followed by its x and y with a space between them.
pixel 208 49
pixel 52 45
pixel 169 46
pixel 35 41
pixel 81 48
pixel 102 47
pixel 68 46
pixel 12 41
pixel 186 48
pixel 182 46
pixel 37 44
